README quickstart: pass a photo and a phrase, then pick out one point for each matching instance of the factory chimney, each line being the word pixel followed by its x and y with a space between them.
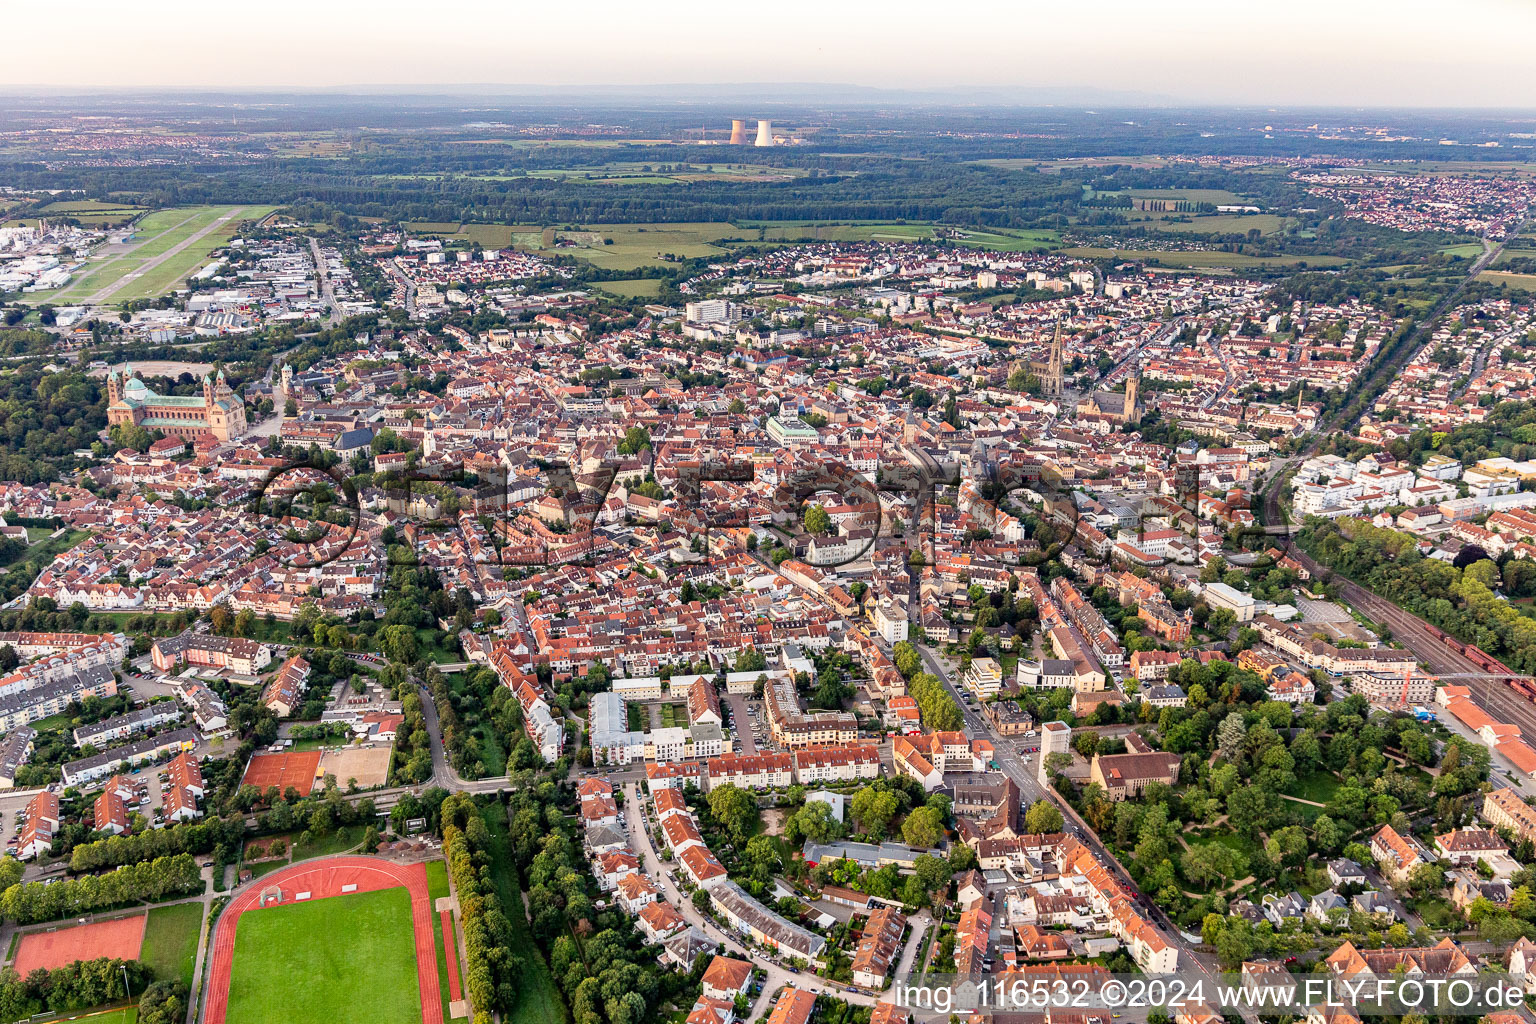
pixel 738 132
pixel 764 133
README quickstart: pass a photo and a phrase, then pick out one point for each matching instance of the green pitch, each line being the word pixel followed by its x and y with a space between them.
pixel 332 961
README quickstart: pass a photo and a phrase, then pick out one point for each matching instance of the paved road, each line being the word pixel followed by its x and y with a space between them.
pixel 327 289
pixel 635 822
pixel 105 293
pixel 442 772
pixel 1031 790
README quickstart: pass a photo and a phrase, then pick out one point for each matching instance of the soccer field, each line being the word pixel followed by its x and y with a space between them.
pixel 328 961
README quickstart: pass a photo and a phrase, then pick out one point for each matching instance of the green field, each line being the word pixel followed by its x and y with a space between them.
pixel 170 941
pixel 1239 844
pixel 1211 223
pixel 1218 196
pixel 127 1015
pixel 635 288
pixel 340 841
pixel 638 245
pixel 93 213
pixel 159 257
pixel 1319 787
pixel 39 555
pixel 330 961
pixel 1524 282
pixel 490 236
pixel 1205 260
pixel 538 1000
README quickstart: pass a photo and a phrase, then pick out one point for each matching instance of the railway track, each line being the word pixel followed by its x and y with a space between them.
pixel 1489 691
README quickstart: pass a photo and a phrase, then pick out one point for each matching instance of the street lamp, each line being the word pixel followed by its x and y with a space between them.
pixel 126 989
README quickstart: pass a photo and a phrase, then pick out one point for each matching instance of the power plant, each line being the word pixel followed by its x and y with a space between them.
pixel 739 136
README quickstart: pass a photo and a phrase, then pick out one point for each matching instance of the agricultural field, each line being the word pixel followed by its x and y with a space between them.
pixel 330 961
pixel 488 236
pixel 1513 253
pixel 1524 282
pixel 1206 260
pixel 889 231
pixel 166 246
pixel 1210 223
pixel 639 245
pixel 635 288
pixel 1071 163
pixel 1219 196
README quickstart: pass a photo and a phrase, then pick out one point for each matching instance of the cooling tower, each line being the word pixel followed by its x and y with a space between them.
pixel 738 133
pixel 764 133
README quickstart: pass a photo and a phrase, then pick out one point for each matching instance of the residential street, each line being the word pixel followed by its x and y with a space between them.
pixel 635 819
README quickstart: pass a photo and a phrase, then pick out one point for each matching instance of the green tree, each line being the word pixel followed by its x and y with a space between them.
pixel 1042 817
pixel 874 808
pixel 816 520
pixel 923 827
pixel 398 643
pixel 736 809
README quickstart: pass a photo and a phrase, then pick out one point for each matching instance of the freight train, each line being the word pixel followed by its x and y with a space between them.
pixel 1494 667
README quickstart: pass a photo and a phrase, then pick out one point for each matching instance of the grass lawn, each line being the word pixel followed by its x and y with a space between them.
pixel 636 288
pixel 264 867
pixel 1218 223
pixel 345 958
pixel 1205 259
pixel 1318 787
pixel 52 722
pixel 330 843
pixel 127 1015
pixel 170 941
pixel 38 555
pixel 538 999
pixel 1242 844
pixel 1438 913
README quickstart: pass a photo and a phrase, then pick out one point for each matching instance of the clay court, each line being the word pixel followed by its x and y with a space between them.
pixel 317 880
pixel 118 939
pixel 283 770
pixel 368 765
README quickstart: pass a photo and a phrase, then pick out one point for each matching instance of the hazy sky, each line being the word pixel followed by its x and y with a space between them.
pixel 1376 52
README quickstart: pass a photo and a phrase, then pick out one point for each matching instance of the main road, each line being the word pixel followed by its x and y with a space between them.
pixel 1031 789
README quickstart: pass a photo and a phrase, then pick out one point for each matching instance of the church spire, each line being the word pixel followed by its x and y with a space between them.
pixel 1053 372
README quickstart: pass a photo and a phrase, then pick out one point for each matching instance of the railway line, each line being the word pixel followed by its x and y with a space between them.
pixel 1490 689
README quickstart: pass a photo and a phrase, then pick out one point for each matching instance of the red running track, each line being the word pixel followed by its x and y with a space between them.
pixel 451 947
pixel 324 878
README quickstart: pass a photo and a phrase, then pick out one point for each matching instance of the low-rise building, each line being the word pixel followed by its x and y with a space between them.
pixel 88 769
pixel 120 727
pixel 879 947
